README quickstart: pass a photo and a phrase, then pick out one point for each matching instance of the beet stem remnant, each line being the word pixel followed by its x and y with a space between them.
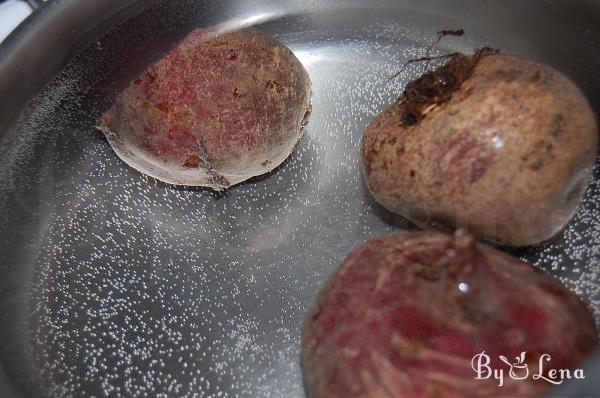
pixel 437 86
pixel 220 182
pixel 427 58
pixel 443 33
pixel 440 35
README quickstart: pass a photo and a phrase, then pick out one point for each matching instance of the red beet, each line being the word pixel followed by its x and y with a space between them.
pixel 405 315
pixel 494 143
pixel 215 111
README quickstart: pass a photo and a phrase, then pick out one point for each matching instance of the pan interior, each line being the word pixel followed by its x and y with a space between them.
pixel 114 284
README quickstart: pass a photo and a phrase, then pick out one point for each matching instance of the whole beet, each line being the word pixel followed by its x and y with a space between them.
pixel 405 315
pixel 215 111
pixel 494 143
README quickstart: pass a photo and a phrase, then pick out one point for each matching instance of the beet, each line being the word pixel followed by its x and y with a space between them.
pixel 215 111
pixel 494 143
pixel 406 313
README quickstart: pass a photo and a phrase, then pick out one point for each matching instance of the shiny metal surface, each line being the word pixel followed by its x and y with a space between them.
pixel 113 284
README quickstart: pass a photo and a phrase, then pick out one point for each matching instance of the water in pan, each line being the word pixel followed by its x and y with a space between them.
pixel 118 285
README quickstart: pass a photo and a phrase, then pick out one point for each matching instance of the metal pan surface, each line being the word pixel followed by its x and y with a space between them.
pixel 113 284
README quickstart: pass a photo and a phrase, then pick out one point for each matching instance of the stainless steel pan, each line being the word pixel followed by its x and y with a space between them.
pixel 112 284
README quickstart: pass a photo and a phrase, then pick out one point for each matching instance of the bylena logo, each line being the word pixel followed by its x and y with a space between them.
pixel 519 370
